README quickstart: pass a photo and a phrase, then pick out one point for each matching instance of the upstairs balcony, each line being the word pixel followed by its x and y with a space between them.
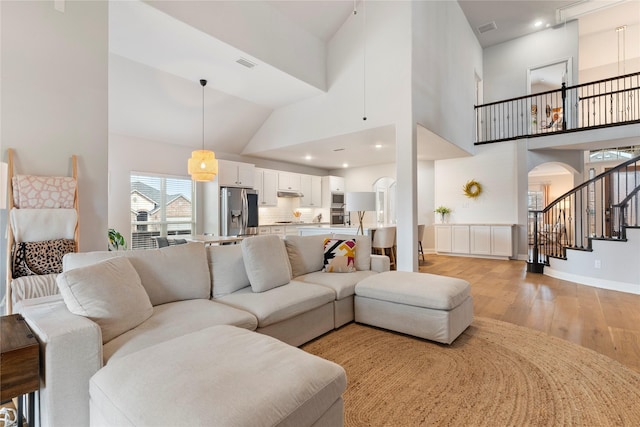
pixel 589 106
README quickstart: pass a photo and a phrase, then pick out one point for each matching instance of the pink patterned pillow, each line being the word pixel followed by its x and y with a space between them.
pixel 339 255
pixel 39 192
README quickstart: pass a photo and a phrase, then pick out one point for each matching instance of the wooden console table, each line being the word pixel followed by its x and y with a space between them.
pixel 19 363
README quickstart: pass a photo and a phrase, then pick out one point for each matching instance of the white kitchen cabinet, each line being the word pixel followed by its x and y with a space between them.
pixel 311 188
pixel 266 182
pixel 334 183
pixel 265 229
pixel 460 239
pixel 480 239
pixel 278 230
pixel 443 238
pixel 502 240
pixel 235 174
pixel 483 240
pixel 288 181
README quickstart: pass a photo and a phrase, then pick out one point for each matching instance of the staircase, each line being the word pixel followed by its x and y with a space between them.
pixel 591 217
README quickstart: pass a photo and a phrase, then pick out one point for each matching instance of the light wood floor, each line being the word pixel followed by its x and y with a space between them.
pixel 602 320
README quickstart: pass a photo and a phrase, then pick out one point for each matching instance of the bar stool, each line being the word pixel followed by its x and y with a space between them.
pixel 420 234
pixel 384 238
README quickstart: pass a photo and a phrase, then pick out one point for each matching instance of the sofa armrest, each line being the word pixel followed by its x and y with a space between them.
pixel 70 353
pixel 380 263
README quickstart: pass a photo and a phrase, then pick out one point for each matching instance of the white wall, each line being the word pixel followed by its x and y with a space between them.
pixel 54 99
pixel 611 265
pixel 340 111
pixel 256 28
pixel 506 64
pixel 495 167
pixel 445 60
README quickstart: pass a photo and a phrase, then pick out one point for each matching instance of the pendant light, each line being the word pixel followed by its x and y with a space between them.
pixel 203 165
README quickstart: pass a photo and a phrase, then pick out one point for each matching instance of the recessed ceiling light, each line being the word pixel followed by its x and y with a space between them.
pixel 378 145
pixel 537 23
pixel 307 157
pixel 345 165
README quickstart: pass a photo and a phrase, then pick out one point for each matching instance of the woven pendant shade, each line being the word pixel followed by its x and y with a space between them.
pixel 202 165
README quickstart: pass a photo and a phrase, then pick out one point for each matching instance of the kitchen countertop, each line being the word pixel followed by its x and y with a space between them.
pixel 294 224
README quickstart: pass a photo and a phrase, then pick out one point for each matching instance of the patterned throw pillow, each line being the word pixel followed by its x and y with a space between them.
pixel 339 255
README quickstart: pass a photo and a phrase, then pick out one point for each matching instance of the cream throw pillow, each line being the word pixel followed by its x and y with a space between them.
pixel 266 262
pixel 109 293
pixel 227 269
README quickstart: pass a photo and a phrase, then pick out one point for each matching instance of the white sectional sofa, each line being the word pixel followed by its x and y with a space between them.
pixel 138 305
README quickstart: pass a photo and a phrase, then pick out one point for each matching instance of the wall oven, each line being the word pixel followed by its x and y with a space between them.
pixel 337 213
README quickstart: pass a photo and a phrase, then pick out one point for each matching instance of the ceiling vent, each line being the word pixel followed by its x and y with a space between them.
pixel 339 149
pixel 487 27
pixel 246 63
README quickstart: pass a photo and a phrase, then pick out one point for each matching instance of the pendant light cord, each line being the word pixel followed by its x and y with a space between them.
pixel 203 83
pixel 364 60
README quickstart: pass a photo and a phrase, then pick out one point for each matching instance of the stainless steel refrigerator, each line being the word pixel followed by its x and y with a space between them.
pixel 238 211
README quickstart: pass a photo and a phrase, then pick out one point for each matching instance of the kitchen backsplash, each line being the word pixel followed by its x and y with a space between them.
pixel 284 212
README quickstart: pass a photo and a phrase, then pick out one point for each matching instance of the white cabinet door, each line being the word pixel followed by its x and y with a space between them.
pixel 460 239
pixel 501 240
pixel 311 188
pixel 336 183
pixel 245 175
pixel 480 239
pixel 265 183
pixel 264 230
pixel 235 174
pixel 288 181
pixel 443 238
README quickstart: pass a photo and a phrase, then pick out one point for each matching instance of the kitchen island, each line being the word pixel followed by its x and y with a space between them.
pixel 312 230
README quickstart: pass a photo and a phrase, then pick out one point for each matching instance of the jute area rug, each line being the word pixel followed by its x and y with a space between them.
pixel 494 374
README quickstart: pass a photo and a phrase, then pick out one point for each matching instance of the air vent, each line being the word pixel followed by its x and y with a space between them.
pixel 487 27
pixel 339 149
pixel 246 63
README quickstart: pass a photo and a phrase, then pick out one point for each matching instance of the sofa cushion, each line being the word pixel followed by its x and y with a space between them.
pixel 175 319
pixel 281 303
pixel 220 376
pixel 342 284
pixel 363 254
pixel 109 293
pixel 173 273
pixel 306 253
pixel 227 269
pixel 339 255
pixel 266 262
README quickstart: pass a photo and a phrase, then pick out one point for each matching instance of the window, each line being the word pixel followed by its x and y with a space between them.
pixel 160 206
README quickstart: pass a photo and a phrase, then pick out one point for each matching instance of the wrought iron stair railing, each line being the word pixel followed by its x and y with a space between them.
pixel 600 208
pixel 603 103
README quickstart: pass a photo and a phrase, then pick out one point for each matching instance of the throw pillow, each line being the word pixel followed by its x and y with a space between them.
pixel 339 255
pixel 109 293
pixel 305 253
pixel 363 255
pixel 227 269
pixel 266 262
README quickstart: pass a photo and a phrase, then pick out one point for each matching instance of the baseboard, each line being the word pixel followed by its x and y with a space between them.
pixel 631 288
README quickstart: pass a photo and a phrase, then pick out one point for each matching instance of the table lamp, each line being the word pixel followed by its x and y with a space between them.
pixel 361 201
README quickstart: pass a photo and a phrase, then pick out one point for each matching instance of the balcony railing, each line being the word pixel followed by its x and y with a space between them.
pixel 609 102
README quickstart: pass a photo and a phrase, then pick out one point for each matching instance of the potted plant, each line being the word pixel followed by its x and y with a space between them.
pixel 116 241
pixel 442 210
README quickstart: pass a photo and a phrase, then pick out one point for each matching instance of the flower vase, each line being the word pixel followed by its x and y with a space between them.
pixel 442 218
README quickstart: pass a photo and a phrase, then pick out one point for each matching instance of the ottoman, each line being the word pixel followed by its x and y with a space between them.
pixel 219 376
pixel 429 306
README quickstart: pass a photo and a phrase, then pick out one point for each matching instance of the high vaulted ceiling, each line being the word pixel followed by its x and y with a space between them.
pixel 156 62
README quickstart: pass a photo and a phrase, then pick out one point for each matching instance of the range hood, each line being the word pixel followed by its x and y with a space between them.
pixel 289 194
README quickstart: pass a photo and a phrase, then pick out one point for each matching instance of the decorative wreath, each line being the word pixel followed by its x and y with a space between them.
pixel 472 189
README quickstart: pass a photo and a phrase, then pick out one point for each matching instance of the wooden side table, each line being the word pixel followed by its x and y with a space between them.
pixel 19 363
